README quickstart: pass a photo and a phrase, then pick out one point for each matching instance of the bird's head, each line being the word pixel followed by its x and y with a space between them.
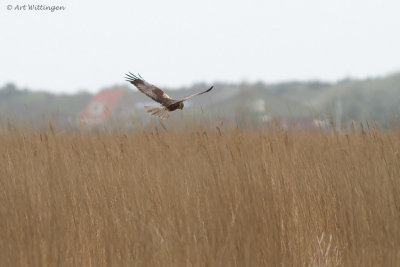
pixel 181 105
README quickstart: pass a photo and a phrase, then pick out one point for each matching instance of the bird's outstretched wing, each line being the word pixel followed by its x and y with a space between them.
pixel 190 96
pixel 148 89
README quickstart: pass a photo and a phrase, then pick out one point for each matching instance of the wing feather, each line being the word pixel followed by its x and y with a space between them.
pixel 190 96
pixel 148 89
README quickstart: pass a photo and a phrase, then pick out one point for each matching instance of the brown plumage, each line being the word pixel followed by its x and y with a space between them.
pixel 167 104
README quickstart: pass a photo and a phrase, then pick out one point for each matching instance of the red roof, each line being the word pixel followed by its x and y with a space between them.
pixel 101 105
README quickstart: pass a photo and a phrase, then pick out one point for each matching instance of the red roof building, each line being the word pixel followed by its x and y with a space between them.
pixel 107 104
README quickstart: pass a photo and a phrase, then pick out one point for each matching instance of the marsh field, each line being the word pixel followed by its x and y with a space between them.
pixel 199 197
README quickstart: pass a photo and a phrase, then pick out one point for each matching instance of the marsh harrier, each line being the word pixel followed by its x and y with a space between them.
pixel 167 104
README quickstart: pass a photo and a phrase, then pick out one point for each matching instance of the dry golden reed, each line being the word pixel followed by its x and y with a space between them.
pixel 199 198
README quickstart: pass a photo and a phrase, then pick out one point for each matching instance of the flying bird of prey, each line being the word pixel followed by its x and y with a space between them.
pixel 167 104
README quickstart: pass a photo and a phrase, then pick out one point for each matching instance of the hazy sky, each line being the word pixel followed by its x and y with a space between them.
pixel 172 43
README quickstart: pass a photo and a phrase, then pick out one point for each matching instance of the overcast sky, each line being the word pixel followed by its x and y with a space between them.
pixel 177 42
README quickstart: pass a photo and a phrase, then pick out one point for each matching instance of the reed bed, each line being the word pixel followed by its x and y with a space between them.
pixel 199 197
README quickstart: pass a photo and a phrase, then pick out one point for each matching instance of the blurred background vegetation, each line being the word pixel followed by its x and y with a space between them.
pixel 372 98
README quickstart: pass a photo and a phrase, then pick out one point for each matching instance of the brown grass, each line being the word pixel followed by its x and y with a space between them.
pixel 200 198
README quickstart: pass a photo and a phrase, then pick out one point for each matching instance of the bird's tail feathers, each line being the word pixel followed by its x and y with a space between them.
pixel 160 112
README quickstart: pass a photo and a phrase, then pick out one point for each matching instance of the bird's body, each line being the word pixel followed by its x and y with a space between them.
pixel 167 104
